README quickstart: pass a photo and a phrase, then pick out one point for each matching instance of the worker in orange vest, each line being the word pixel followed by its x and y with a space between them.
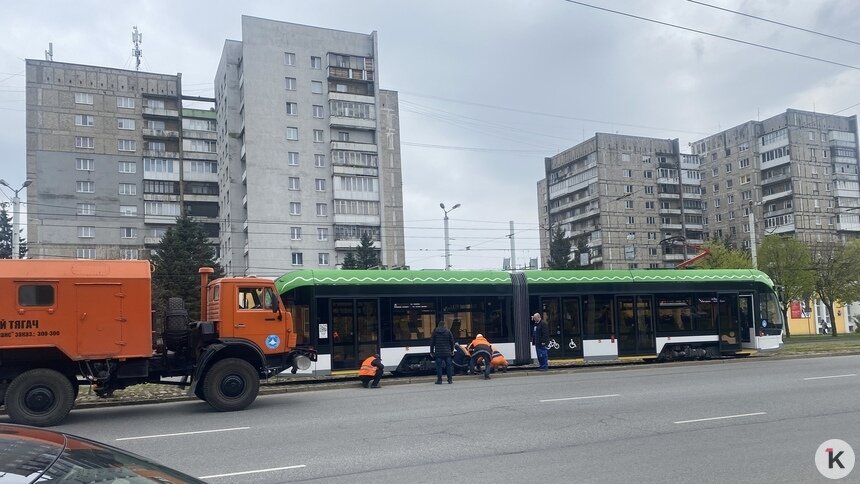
pixel 371 369
pixel 482 350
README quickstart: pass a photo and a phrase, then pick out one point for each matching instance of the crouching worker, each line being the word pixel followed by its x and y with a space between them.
pixel 371 369
pixel 482 351
pixel 461 358
pixel 499 362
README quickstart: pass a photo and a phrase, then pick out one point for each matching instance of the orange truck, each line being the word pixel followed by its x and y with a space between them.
pixel 64 323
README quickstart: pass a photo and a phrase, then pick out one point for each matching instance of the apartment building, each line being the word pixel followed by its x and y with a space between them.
pixel 106 150
pixel 308 148
pixel 637 201
pixel 796 171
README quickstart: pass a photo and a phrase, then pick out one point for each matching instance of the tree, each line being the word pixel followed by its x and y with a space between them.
pixel 6 236
pixel 182 251
pixel 366 256
pixel 836 267
pixel 723 256
pixel 788 262
pixel 559 250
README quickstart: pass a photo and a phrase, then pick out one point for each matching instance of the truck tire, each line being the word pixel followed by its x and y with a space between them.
pixel 230 384
pixel 40 398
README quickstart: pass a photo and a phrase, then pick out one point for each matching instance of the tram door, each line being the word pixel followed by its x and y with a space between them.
pixel 635 325
pixel 355 326
pixel 729 322
pixel 565 328
pixel 745 307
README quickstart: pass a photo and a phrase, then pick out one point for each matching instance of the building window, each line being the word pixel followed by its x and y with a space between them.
pixel 295 208
pixel 342 136
pixel 631 220
pixel 745 179
pixel 719 217
pixel 628 188
pixel 85 253
pixel 648 174
pixel 293 183
pixel 199 145
pixel 86 209
pixel 292 133
pixel 628 204
pixel 127 189
pixel 316 63
pixel 84 164
pixel 319 184
pixel 652 251
pixel 322 234
pixel 652 235
pixel 203 166
pixel 732 215
pixel 159 146
pixel 291 83
pixel 323 258
pixel 126 145
pixel 730 199
pixel 297 259
pixel 744 163
pixel 293 158
pixel 168 209
pixel 155 103
pixel 127 167
pixel 649 190
pixel 86 142
pixel 651 220
pixel 322 210
pixel 84 120
pixel 289 59
pixel 128 232
pixel 128 254
pixel 627 173
pixel 728 167
pixel 85 187
pixel 292 109
pixel 318 111
pixel 319 161
pixel 125 102
pixel 86 232
pixel 316 87
pixel 295 233
pixel 649 205
pixel 158 165
pixel 318 136
pixel 123 123
pixel 83 98
pixel 128 210
pixel 716 203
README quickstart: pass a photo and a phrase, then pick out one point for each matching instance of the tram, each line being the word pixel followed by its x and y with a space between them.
pixel 592 315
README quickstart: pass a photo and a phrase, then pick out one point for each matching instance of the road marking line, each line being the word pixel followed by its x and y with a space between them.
pixel 578 398
pixel 721 418
pixel 273 469
pixel 832 376
pixel 183 433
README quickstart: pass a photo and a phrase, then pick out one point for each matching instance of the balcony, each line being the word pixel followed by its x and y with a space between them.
pixel 194 134
pixel 351 146
pixel 673 257
pixel 343 96
pixel 776 196
pixel 669 196
pixel 160 112
pixel 200 155
pixel 348 122
pixel 160 133
pixel 351 74
pixel 672 226
pixel 354 170
pixel 160 154
pixel 775 179
pixel 160 219
pixel 671 211
pixel 350 244
pixel 782 160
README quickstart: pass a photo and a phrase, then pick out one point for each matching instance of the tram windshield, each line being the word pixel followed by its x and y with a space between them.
pixel 771 319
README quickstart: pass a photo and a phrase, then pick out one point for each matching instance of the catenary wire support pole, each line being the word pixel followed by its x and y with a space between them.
pixel 447 246
pixel 753 253
pixel 513 250
pixel 16 203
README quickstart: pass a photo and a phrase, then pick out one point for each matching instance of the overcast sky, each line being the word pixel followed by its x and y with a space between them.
pixel 487 88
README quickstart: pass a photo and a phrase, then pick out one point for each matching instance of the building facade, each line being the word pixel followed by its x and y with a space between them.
pixel 797 172
pixel 636 201
pixel 108 151
pixel 308 148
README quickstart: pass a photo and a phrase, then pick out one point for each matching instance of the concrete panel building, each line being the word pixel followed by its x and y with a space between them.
pixel 106 151
pixel 797 172
pixel 636 201
pixel 308 148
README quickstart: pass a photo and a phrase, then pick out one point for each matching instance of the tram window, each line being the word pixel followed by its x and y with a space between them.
pixel 599 321
pixel 467 316
pixel 413 319
pixel 673 313
pixel 771 319
pixel 705 313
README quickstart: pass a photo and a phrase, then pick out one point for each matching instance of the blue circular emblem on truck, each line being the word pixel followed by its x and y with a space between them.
pixel 273 341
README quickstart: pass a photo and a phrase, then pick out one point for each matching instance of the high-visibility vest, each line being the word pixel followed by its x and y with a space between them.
pixel 480 341
pixel 367 368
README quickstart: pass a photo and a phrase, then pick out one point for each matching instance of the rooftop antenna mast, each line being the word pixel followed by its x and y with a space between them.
pixel 49 54
pixel 137 38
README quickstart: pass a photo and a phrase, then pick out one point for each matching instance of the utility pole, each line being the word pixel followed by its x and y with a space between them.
pixel 513 252
pixel 447 246
pixel 16 202
pixel 753 252
pixel 137 38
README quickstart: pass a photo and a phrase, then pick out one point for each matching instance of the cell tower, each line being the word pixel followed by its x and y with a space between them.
pixel 137 38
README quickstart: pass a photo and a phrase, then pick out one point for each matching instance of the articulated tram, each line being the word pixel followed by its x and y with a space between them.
pixel 592 315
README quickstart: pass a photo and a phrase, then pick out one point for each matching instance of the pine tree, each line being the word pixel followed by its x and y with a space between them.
pixel 349 262
pixel 6 236
pixel 182 251
pixel 559 250
pixel 366 256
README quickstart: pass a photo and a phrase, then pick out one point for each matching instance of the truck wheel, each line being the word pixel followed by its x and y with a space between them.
pixel 39 397
pixel 231 384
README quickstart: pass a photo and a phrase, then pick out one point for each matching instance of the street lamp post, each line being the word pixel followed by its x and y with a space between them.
pixel 15 214
pixel 447 247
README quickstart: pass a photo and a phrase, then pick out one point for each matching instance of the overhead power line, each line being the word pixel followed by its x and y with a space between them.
pixel 731 39
pixel 776 23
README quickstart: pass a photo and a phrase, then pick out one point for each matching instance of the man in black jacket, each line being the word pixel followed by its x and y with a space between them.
pixel 441 349
pixel 540 338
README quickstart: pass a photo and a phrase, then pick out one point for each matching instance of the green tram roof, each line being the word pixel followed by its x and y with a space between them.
pixel 296 279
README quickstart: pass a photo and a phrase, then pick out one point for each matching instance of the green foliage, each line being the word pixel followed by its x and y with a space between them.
pixel 182 251
pixel 6 236
pixel 349 262
pixel 788 262
pixel 723 256
pixel 559 250
pixel 836 266
pixel 364 257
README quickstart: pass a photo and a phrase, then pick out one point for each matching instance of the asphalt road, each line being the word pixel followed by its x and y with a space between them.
pixel 742 420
